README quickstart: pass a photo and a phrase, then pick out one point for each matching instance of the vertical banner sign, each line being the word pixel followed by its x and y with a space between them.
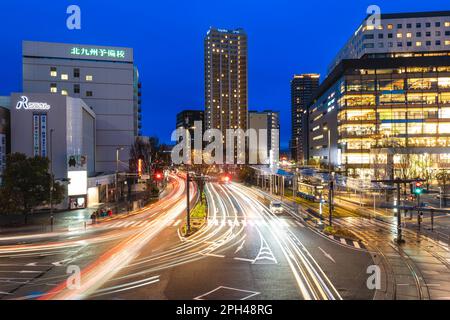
pixel 44 135
pixel 36 135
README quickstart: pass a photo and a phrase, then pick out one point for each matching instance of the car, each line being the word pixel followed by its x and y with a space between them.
pixel 276 207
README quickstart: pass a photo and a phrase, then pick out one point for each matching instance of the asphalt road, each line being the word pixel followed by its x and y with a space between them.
pixel 243 252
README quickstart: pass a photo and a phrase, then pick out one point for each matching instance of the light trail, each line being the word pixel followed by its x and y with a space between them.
pixel 115 259
pixel 312 281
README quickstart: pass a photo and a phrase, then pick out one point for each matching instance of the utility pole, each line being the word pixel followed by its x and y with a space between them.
pixel 398 182
pixel 117 173
pixel 399 216
pixel 330 204
pixel 188 215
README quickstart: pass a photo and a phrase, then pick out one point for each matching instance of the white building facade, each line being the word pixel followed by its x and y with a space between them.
pixel 399 35
pixel 104 77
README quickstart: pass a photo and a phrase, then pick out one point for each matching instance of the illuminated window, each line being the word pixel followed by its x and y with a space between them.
pixel 390 26
pixel 447 42
pixel 53 72
pixel 399 35
pixel 447 23
pixel 88 78
pixel 418 44
pixel 53 88
pixel 318 137
pixel 64 76
pixel 64 92
pixel 409 35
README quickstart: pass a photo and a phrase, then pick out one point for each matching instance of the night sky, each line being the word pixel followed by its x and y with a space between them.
pixel 284 38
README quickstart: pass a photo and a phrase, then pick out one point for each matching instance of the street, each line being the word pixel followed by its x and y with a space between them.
pixel 243 252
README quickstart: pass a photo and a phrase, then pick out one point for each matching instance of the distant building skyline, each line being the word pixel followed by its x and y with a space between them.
pixel 275 52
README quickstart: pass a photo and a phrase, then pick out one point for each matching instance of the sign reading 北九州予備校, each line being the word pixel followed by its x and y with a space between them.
pixel 98 52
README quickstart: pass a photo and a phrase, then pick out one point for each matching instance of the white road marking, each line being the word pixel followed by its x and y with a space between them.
pixel 240 247
pixel 343 241
pixel 356 244
pixel 177 222
pixel 251 293
pixel 214 255
pixel 327 255
pixel 244 259
pixel 118 224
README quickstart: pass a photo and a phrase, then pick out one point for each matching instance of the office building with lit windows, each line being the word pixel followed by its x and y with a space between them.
pixel 107 81
pixel 413 34
pixel 384 109
pixel 225 53
pixel 303 87
pixel 386 116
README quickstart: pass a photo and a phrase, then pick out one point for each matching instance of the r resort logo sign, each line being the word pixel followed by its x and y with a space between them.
pixel 26 105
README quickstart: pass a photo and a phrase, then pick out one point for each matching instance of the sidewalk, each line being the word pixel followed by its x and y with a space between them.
pixel 41 222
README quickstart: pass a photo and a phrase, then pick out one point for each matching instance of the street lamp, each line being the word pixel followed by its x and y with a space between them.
pixel 331 184
pixel 117 172
pixel 51 177
pixel 325 129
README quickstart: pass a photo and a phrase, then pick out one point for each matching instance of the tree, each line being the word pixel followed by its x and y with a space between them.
pixel 26 185
pixel 142 148
pixel 443 177
pixel 246 174
pixel 425 168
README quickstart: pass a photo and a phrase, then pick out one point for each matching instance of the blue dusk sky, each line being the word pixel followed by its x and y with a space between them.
pixel 284 37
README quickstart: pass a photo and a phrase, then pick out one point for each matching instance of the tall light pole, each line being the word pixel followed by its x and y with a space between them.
pixel 326 129
pixel 51 178
pixel 117 172
pixel 331 187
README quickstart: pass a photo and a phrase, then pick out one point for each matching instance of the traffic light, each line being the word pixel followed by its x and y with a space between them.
pixel 418 187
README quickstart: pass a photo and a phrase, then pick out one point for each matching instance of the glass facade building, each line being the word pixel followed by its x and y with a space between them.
pixel 391 116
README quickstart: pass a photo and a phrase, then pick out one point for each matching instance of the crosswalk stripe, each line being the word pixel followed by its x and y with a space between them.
pixel 144 223
pixel 356 244
pixel 118 224
pixel 343 241
pixel 128 224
